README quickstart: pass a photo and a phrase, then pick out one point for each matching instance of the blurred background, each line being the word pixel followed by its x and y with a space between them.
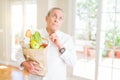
pixel 93 24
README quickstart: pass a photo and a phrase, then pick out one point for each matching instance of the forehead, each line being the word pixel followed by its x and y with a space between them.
pixel 57 12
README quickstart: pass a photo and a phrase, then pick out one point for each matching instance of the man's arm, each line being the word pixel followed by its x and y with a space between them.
pixel 67 50
pixel 69 55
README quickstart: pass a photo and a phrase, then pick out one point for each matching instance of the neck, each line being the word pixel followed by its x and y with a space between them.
pixel 50 31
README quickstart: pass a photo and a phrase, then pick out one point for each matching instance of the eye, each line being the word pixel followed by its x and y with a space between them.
pixel 61 18
pixel 54 16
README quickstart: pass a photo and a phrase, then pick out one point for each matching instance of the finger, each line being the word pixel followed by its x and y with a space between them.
pixel 37 72
pixel 34 72
pixel 37 68
pixel 34 63
pixel 52 39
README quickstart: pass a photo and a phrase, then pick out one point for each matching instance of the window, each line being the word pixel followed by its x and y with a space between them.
pixel 108 59
pixel 85 36
pixel 23 16
pixel 85 26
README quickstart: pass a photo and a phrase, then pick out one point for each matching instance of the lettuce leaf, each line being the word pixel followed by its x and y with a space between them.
pixel 36 37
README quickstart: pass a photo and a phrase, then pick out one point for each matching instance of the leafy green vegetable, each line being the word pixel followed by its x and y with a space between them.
pixel 36 37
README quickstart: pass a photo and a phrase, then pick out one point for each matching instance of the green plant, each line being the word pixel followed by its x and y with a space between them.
pixel 112 38
pixel 117 41
pixel 87 13
pixel 109 36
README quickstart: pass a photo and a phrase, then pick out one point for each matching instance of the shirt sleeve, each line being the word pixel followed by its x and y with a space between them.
pixel 20 58
pixel 69 56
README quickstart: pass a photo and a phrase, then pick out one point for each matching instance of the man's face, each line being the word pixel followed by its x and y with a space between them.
pixel 55 20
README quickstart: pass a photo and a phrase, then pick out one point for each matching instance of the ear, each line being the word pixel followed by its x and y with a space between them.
pixel 46 18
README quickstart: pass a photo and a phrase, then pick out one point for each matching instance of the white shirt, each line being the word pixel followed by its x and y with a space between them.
pixel 56 62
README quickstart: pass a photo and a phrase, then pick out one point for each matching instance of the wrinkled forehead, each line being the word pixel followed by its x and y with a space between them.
pixel 57 12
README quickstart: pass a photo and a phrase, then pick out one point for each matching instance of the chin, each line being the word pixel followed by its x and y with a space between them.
pixel 55 29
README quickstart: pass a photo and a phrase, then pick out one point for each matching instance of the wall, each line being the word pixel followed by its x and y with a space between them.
pixel 5 30
pixel 42 10
pixel 1 30
pixel 0 13
pixel 68 7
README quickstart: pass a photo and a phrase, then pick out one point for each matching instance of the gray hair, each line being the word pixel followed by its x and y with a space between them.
pixel 51 10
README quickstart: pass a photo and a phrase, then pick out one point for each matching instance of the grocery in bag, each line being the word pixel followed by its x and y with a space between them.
pixel 35 49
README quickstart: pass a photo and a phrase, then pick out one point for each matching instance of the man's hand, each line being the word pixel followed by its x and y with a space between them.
pixel 55 40
pixel 31 67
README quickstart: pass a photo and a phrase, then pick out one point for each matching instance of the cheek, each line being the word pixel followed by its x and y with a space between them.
pixel 51 21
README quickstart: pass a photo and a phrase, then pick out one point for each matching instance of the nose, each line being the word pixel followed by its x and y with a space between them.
pixel 56 20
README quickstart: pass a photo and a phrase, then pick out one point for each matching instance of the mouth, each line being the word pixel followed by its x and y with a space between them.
pixel 55 24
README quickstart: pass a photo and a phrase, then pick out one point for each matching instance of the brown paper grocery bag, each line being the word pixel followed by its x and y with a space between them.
pixel 39 56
